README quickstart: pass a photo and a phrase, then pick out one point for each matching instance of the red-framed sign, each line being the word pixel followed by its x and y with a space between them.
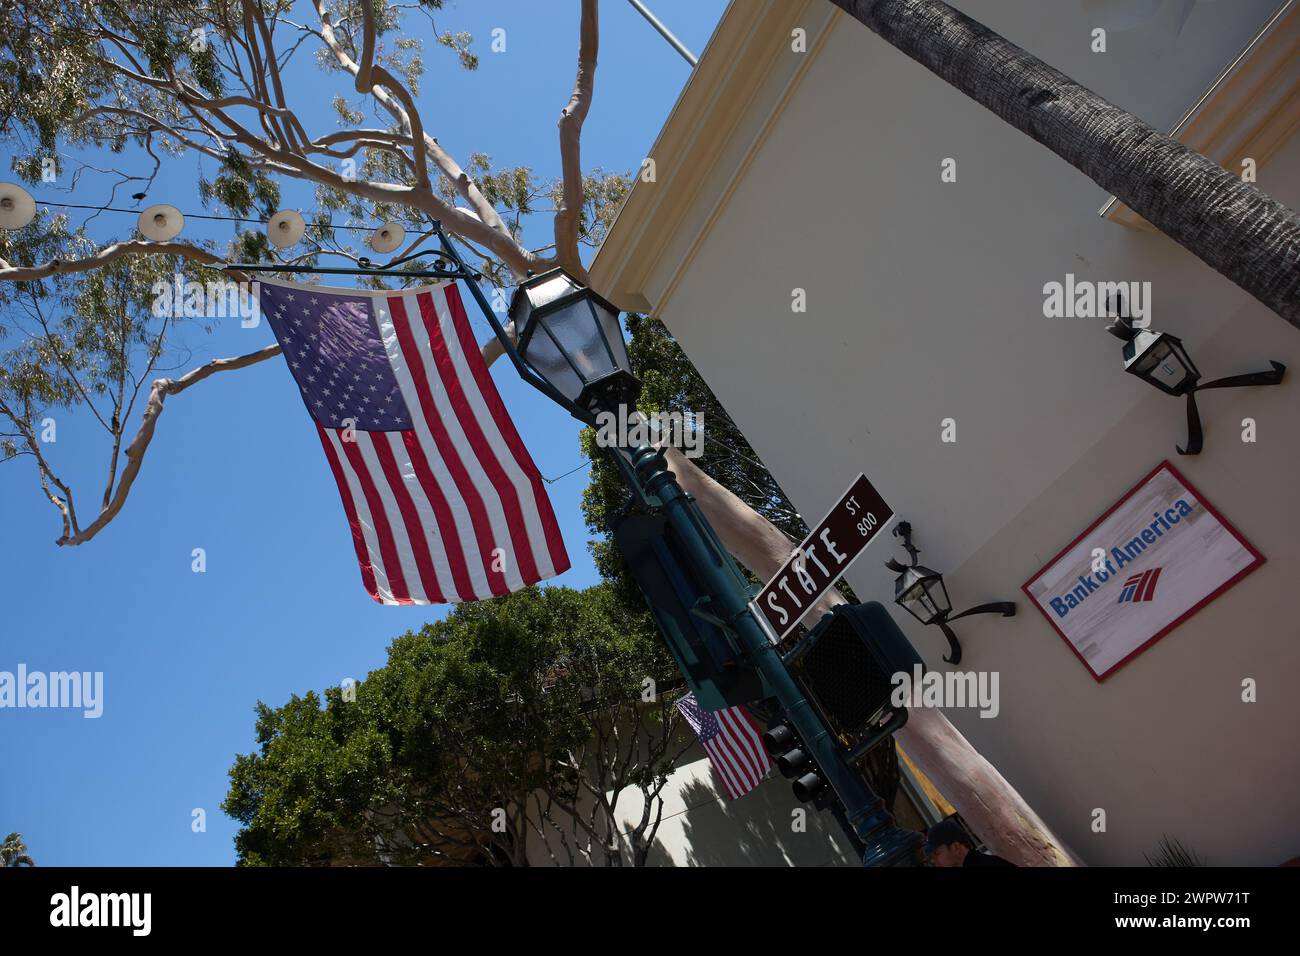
pixel 1155 558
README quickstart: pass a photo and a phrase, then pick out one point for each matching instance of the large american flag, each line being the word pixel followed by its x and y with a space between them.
pixel 443 500
pixel 734 743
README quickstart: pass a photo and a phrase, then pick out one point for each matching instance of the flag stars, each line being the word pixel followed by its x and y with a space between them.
pixel 335 347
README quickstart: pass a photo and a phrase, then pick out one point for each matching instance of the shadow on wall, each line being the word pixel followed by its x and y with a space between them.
pixel 759 829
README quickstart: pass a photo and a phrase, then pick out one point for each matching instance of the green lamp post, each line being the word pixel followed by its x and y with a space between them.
pixel 569 345
pixel 571 340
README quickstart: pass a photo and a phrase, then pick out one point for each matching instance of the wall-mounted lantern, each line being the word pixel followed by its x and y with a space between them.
pixel 921 592
pixel 1160 359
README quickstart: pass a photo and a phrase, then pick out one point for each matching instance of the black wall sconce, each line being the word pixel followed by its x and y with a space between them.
pixel 1159 359
pixel 921 592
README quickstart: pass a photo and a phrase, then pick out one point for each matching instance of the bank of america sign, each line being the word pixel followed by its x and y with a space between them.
pixel 1158 555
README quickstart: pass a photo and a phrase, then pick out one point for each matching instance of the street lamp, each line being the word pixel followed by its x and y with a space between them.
pixel 571 337
pixel 571 347
pixel 921 592
pixel 1160 359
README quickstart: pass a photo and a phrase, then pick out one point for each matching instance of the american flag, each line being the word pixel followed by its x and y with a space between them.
pixel 734 743
pixel 443 500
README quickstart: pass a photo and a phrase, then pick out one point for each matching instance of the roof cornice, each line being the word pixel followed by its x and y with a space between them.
pixel 747 61
pixel 1249 112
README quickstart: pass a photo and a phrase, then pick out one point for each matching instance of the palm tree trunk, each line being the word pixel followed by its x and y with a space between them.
pixel 1230 225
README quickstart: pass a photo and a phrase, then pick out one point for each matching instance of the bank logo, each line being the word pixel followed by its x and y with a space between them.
pixel 1140 587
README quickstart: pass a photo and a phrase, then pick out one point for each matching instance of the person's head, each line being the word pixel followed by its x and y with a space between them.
pixel 946 844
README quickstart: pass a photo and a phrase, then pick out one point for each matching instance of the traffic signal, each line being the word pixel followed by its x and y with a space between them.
pixel 706 655
pixel 794 762
pixel 846 665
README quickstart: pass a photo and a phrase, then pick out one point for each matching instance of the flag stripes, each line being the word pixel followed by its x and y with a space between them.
pixel 452 508
pixel 733 742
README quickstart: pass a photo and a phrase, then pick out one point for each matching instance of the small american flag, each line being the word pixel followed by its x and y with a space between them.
pixel 734 743
pixel 443 500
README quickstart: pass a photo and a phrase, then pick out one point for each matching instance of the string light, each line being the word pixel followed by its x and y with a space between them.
pixel 136 212
pixel 331 226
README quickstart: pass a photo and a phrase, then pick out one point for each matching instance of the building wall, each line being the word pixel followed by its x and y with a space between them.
pixel 925 302
pixel 702 826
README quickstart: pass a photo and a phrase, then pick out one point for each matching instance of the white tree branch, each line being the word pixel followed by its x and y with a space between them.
pixel 140 444
pixel 103 257
pixel 570 126
pixel 464 185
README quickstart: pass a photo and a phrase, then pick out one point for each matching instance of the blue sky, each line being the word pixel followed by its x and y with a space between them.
pixel 236 470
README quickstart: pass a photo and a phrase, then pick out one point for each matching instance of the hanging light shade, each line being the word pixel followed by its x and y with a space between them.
pixel 17 207
pixel 572 338
pixel 285 228
pixel 387 237
pixel 161 223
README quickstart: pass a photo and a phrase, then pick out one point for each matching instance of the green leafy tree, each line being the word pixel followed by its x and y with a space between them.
pixel 517 728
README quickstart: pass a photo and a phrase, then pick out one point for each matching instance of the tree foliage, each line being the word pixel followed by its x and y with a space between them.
pixel 516 725
pixel 88 342
pixel 13 852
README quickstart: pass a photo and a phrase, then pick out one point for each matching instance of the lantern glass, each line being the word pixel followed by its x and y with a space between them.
pixel 921 592
pixel 569 335
pixel 1160 359
pixel 548 360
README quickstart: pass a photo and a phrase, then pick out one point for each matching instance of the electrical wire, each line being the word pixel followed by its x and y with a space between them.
pixel 551 481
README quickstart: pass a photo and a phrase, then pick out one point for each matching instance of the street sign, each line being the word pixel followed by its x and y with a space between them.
pixel 824 556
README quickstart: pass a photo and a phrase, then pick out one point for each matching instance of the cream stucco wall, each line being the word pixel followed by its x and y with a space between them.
pixel 925 302
pixel 702 826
